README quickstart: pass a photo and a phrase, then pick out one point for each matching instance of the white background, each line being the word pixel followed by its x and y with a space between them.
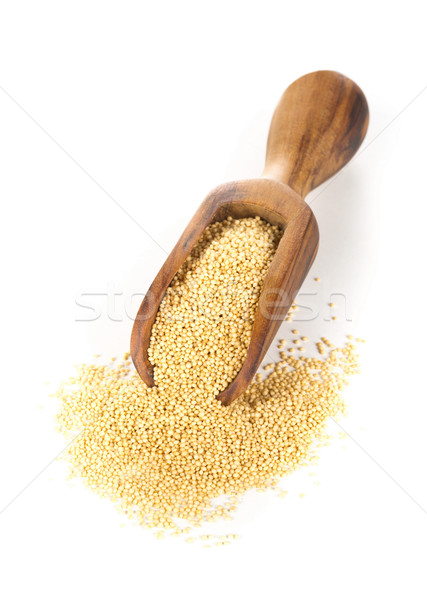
pixel 108 108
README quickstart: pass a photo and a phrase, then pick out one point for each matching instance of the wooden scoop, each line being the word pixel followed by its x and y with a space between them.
pixel 317 127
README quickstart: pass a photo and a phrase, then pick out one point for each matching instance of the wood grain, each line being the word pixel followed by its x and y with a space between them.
pixel 316 129
pixel 318 126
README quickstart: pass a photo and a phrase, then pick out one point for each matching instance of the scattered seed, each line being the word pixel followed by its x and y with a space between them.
pixel 176 433
pixel 321 348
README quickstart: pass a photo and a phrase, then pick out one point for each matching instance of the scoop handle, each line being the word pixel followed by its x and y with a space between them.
pixel 317 127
